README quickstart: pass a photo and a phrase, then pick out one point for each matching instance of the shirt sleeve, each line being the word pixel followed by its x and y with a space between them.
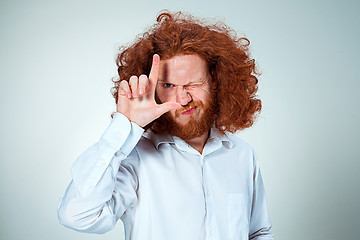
pixel 260 223
pixel 104 180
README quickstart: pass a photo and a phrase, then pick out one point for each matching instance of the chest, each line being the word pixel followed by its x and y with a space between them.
pixel 182 177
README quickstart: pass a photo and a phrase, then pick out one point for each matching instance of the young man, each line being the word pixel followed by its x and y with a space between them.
pixel 168 165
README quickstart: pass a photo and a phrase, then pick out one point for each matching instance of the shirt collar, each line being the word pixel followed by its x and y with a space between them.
pixel 158 139
pixel 216 135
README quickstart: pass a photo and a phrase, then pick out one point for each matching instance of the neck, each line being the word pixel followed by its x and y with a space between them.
pixel 198 143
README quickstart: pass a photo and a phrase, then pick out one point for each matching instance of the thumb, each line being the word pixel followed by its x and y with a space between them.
pixel 167 106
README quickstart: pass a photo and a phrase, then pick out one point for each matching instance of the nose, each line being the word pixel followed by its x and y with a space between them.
pixel 182 96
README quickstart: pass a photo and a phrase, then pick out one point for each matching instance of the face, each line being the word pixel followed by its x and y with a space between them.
pixel 185 79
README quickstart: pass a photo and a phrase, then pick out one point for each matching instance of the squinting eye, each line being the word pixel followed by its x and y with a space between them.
pixel 193 86
pixel 167 85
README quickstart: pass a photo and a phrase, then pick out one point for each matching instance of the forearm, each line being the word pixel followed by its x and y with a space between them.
pixel 89 202
pixel 90 214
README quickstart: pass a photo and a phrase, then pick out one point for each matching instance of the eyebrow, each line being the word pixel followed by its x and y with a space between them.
pixel 201 80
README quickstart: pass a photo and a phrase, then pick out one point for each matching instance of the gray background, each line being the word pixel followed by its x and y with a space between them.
pixel 56 65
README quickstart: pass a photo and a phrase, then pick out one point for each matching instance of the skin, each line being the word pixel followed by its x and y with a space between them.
pixel 177 82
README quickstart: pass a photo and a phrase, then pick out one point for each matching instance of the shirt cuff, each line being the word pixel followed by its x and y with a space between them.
pixel 117 132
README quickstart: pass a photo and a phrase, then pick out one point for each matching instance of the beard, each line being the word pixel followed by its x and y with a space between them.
pixel 196 125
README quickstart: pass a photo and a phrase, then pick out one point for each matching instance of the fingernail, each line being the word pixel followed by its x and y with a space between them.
pixel 129 95
pixel 141 91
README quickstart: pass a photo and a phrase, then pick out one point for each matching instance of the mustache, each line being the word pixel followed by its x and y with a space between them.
pixel 187 107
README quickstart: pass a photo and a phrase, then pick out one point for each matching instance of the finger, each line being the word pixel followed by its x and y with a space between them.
pixel 133 82
pixel 154 72
pixel 124 89
pixel 167 106
pixel 143 83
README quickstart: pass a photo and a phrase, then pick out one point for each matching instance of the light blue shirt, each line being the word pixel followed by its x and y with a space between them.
pixel 163 189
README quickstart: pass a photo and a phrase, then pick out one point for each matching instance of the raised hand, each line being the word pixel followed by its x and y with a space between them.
pixel 136 97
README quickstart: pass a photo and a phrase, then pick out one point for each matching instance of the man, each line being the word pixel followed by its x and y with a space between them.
pixel 190 86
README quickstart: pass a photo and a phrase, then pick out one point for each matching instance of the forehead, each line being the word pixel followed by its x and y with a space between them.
pixel 183 69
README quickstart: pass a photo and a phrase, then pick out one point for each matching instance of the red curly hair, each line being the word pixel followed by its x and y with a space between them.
pixel 231 69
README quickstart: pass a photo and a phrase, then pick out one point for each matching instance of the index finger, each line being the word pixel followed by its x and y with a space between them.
pixel 154 72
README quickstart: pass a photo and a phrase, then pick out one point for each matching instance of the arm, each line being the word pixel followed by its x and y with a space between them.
pixel 104 176
pixel 260 223
pixel 104 184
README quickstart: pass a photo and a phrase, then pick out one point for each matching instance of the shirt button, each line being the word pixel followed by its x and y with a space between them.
pixel 212 232
pixel 103 164
pixel 208 193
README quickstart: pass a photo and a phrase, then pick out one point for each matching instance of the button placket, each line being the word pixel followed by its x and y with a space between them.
pixel 204 191
pixel 208 226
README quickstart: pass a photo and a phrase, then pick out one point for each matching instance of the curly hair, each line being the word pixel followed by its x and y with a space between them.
pixel 231 68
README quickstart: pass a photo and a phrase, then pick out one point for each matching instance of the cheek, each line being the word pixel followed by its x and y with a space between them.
pixel 164 96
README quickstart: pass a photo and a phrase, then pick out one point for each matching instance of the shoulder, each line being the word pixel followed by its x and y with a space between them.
pixel 242 148
pixel 239 143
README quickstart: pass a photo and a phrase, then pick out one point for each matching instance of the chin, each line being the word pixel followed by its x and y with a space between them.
pixel 182 123
pixel 186 119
